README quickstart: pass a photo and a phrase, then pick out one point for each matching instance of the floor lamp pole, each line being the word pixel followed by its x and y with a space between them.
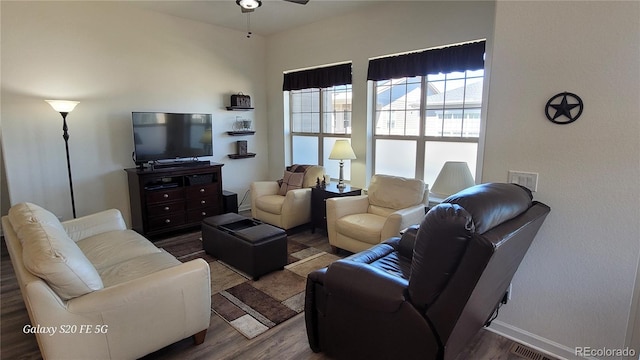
pixel 65 136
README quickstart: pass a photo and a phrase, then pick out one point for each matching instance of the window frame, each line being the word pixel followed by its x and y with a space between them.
pixel 422 138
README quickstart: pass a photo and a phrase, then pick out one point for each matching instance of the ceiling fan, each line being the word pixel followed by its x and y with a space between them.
pixel 250 5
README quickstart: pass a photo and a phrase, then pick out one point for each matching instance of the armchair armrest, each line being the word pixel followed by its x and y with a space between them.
pixel 369 287
pixel 296 208
pixel 259 189
pixel 401 219
pixel 94 224
pixel 262 188
pixel 343 206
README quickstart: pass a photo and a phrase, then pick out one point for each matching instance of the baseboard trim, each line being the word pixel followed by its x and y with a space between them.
pixel 534 341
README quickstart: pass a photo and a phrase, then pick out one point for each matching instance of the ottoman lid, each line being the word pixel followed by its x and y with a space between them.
pixel 223 219
pixel 260 233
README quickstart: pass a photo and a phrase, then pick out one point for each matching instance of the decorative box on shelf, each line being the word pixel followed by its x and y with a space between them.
pixel 240 102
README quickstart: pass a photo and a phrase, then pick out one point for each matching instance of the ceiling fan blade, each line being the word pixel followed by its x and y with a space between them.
pixel 301 2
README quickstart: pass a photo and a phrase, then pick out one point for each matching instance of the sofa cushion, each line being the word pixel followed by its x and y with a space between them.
pixel 137 267
pixel 113 247
pixel 270 203
pixel 364 227
pixel 395 192
pixel 27 213
pixel 49 253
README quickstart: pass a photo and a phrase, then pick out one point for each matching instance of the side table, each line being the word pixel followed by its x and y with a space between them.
pixel 319 196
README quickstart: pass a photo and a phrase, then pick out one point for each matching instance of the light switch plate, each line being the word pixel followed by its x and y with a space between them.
pixel 524 178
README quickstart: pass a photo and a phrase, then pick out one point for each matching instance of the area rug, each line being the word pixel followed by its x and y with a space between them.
pixel 253 307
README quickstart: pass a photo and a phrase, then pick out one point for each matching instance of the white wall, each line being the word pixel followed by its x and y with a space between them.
pixel 114 59
pixel 575 287
pixel 576 284
pixel 382 29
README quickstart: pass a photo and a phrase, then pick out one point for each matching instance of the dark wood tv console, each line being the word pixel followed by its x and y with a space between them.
pixel 164 200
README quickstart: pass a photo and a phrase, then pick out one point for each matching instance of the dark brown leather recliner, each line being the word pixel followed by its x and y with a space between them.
pixel 425 295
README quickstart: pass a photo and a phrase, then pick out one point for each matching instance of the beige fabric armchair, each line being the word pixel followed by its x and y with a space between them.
pixel 356 223
pixel 286 205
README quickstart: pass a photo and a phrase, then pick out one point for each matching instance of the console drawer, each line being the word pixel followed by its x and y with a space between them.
pixel 161 196
pixel 169 220
pixel 202 202
pixel 165 208
pixel 198 215
pixel 201 190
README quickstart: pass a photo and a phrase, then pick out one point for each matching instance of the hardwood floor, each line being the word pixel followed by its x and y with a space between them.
pixel 286 341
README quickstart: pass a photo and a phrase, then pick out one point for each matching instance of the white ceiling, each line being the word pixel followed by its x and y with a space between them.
pixel 272 17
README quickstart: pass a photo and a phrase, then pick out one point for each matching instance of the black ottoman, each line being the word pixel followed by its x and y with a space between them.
pixel 246 244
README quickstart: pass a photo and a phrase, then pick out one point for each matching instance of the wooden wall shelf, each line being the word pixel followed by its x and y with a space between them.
pixel 241 132
pixel 237 108
pixel 243 156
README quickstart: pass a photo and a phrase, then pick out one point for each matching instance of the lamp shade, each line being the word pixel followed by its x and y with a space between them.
pixel 454 176
pixel 249 4
pixel 342 151
pixel 63 105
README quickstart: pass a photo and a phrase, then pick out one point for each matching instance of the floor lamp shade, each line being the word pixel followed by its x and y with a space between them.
pixel 63 105
pixel 454 176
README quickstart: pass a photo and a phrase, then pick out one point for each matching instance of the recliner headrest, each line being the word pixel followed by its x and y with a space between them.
pixel 491 204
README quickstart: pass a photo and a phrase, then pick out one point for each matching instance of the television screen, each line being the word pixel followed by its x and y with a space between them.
pixel 163 136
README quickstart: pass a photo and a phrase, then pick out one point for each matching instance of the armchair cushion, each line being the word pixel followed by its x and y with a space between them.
pixel 364 227
pixel 291 180
pixel 395 192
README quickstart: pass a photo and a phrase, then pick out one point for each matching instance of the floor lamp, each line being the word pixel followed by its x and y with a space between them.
pixel 64 107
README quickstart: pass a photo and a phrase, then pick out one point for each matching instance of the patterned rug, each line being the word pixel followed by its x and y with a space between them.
pixel 253 307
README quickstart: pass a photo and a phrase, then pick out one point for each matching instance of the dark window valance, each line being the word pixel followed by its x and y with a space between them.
pixel 444 60
pixel 323 77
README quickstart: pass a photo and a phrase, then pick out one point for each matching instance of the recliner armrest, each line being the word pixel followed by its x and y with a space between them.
pixel 367 286
pixel 408 241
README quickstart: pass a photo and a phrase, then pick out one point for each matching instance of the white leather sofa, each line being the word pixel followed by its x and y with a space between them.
pixel 101 291
pixel 275 205
pixel 392 203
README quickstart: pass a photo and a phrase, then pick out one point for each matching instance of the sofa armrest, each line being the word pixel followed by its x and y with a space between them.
pixel 368 287
pixel 122 321
pixel 94 224
pixel 402 219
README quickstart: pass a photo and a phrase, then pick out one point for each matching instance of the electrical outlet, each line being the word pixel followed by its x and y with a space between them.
pixel 526 179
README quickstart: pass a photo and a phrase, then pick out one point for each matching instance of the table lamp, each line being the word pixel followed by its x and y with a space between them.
pixel 342 151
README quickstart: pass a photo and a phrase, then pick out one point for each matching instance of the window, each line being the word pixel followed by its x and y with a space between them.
pixel 429 117
pixel 319 115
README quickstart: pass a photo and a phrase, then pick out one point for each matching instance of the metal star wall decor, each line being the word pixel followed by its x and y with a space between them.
pixel 570 107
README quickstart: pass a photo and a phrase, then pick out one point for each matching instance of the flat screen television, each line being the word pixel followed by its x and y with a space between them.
pixel 170 136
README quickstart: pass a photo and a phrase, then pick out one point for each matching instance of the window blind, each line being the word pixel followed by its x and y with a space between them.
pixel 443 60
pixel 323 77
